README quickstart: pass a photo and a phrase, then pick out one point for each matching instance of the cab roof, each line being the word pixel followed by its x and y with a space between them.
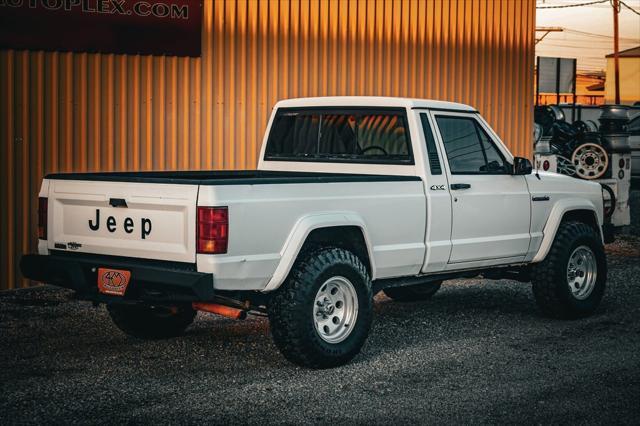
pixel 372 101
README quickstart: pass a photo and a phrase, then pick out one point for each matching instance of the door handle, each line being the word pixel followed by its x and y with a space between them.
pixel 543 198
pixel 456 186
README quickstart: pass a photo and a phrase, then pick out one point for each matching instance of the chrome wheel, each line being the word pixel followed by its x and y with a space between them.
pixel 590 160
pixel 582 272
pixel 335 309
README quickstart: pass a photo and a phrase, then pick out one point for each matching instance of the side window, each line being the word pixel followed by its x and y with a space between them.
pixel 349 135
pixel 469 148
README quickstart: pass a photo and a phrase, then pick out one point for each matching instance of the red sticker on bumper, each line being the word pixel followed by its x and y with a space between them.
pixel 113 281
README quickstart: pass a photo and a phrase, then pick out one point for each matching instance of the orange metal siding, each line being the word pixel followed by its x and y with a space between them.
pixel 89 112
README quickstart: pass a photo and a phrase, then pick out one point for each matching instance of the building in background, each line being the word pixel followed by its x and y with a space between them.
pixel 589 91
pixel 629 77
pixel 62 111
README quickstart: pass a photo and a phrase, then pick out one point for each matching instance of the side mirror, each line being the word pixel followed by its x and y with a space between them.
pixel 522 166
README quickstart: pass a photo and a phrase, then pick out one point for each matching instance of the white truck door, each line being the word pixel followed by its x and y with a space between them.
pixel 491 208
pixel 438 198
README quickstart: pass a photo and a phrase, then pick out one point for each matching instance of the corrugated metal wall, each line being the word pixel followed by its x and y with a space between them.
pixel 89 112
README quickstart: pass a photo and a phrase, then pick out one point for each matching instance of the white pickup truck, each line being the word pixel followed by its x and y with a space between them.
pixel 353 195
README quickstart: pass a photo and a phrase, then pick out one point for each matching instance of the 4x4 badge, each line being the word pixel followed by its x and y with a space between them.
pixel 437 188
pixel 73 246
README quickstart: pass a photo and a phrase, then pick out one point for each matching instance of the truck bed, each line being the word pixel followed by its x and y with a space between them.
pixel 86 215
pixel 228 177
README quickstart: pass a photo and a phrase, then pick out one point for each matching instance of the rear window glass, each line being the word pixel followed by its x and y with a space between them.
pixel 378 136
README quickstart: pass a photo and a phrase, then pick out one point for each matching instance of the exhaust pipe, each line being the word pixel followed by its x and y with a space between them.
pixel 225 311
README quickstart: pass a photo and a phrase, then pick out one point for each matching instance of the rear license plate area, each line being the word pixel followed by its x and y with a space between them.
pixel 113 282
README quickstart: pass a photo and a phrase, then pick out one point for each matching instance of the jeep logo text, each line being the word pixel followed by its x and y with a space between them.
pixel 128 225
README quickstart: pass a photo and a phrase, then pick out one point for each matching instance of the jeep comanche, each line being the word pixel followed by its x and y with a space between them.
pixel 352 195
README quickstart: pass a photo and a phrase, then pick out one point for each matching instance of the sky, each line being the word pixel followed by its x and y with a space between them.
pixel 588 34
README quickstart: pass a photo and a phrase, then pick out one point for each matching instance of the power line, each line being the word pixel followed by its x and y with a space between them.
pixel 596 35
pixel 629 7
pixel 572 5
pixel 591 3
pixel 589 44
pixel 595 50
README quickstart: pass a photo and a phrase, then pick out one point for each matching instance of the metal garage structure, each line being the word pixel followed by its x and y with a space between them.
pixel 87 112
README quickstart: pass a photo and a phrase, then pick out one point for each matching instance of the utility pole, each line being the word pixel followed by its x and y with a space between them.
pixel 546 31
pixel 616 9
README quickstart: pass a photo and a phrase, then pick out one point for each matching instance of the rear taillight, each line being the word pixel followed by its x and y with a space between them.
pixel 42 217
pixel 213 230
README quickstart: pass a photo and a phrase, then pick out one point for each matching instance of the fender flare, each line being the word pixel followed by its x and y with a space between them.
pixel 301 230
pixel 555 218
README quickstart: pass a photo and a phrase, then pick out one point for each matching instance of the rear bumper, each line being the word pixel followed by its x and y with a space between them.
pixel 149 282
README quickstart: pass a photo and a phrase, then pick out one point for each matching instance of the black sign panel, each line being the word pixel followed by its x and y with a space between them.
pixel 164 27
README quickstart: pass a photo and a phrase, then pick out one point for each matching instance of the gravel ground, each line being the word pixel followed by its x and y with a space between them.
pixel 478 352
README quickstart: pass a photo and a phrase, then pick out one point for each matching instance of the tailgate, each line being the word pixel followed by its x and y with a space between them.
pixel 149 220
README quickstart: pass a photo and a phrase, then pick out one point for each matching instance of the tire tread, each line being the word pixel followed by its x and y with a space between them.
pixel 286 307
pixel 548 276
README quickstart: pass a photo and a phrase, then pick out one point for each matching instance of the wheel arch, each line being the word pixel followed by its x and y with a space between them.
pixel 567 210
pixel 345 230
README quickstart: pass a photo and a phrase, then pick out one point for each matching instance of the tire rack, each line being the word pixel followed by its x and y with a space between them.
pixel 613 119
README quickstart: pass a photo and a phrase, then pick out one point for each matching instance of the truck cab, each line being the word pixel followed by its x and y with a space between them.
pixel 479 210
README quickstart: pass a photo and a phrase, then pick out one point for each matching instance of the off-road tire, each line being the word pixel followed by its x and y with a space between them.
pixel 413 293
pixel 291 309
pixel 549 277
pixel 147 322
